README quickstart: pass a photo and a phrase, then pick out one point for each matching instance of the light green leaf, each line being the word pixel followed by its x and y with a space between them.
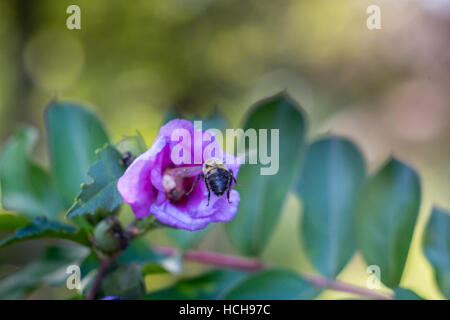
pixel 101 192
pixel 11 222
pixel 436 246
pixel 134 144
pixel 208 286
pixel 26 187
pixel 74 134
pixel 405 294
pixel 387 215
pixel 276 284
pixel 329 186
pixel 50 269
pixel 263 196
pixel 41 227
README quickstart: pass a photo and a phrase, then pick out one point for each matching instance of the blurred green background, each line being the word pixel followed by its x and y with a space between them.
pixel 133 61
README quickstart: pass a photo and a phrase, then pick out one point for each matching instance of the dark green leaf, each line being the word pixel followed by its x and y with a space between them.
pixel 140 252
pixel 274 284
pixel 74 134
pixel 211 285
pixel 387 215
pixel 11 222
pixel 436 245
pixel 26 187
pixel 41 227
pixel 88 264
pixel 50 269
pixel 263 196
pixel 405 294
pixel 330 183
pixel 101 192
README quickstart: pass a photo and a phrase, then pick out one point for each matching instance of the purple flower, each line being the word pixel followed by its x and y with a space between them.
pixel 111 298
pixel 149 185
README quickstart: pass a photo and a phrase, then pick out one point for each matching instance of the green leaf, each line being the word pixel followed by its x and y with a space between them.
pixel 11 222
pixel 276 284
pixel 436 246
pixel 101 192
pixel 41 227
pixel 263 196
pixel 134 144
pixel 154 268
pixel 211 285
pixel 333 173
pixel 50 269
pixel 74 134
pixel 185 239
pixel 387 215
pixel 405 294
pixel 26 187
pixel 215 120
pixel 141 253
pixel 89 263
pixel 124 281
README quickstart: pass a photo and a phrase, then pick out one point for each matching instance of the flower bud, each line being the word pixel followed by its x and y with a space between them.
pixel 109 235
pixel 125 281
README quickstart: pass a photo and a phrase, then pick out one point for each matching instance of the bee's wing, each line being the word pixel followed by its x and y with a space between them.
pixel 186 172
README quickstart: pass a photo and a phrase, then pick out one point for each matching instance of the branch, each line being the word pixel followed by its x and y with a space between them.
pixel 249 264
pixel 107 260
pixel 105 264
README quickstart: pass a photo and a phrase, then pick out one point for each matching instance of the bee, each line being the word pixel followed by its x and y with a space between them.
pixel 218 178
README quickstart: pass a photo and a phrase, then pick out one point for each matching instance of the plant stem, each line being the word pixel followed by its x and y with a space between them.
pixel 105 264
pixel 215 258
pixel 337 285
pixel 249 264
pixel 106 261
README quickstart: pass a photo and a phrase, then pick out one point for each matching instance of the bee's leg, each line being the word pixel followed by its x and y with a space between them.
pixel 195 183
pixel 209 191
pixel 232 177
pixel 229 188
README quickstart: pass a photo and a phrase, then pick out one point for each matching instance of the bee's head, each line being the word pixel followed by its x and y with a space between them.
pixel 212 163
